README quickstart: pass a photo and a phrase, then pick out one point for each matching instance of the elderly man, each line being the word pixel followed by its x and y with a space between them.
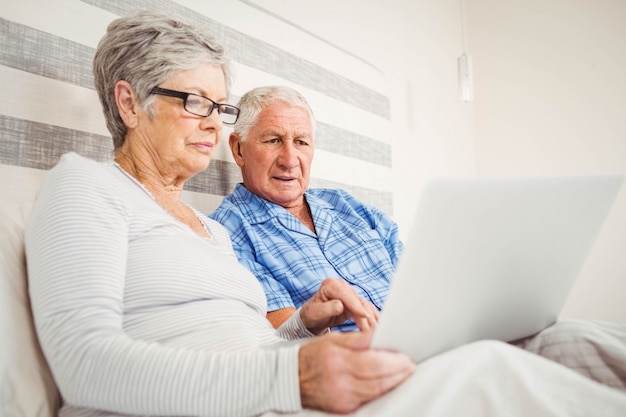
pixel 292 237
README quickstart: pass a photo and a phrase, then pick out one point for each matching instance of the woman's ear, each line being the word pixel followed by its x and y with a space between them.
pixel 234 141
pixel 126 101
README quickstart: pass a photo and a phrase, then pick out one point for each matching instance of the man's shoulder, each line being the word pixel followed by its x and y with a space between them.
pixel 333 197
pixel 240 207
pixel 226 210
pixel 232 203
pixel 329 194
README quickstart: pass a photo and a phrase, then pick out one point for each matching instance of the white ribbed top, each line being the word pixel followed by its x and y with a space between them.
pixel 137 314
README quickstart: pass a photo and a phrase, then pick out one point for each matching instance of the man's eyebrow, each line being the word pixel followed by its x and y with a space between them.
pixel 272 133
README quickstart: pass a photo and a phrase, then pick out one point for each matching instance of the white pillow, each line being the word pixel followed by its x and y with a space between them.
pixel 27 388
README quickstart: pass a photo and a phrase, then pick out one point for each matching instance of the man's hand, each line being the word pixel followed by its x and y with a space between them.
pixel 334 303
pixel 338 373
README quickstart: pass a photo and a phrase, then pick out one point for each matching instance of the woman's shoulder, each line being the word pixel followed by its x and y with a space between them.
pixel 75 177
pixel 76 164
pixel 75 159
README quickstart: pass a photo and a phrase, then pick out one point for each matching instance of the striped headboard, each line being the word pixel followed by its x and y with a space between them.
pixel 49 105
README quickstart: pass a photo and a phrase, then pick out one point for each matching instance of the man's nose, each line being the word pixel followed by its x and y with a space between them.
pixel 288 156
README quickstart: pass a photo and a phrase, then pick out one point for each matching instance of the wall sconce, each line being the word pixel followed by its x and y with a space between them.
pixel 466 91
pixel 464 62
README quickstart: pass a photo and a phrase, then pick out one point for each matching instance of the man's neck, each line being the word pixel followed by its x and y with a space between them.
pixel 303 213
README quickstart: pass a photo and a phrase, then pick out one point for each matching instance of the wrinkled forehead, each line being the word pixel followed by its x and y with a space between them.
pixel 284 119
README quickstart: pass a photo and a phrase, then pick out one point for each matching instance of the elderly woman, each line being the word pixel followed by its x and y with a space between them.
pixel 140 304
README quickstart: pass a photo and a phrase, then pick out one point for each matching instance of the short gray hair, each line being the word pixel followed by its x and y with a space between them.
pixel 145 48
pixel 252 103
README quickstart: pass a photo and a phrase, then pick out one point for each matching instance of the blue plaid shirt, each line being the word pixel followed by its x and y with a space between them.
pixel 354 241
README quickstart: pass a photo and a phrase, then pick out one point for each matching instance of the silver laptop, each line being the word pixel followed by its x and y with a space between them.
pixel 491 258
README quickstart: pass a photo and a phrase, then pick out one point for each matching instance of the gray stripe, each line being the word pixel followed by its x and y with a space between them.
pixel 219 179
pixel 353 145
pixel 44 60
pixel 382 200
pixel 266 57
pixel 37 145
pixel 37 52
pixel 347 143
pixel 40 53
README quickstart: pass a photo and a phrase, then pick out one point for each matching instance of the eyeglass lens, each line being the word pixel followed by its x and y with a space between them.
pixel 202 106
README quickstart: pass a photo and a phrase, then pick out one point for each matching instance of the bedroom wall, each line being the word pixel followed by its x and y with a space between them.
pixel 549 97
pixel 46 52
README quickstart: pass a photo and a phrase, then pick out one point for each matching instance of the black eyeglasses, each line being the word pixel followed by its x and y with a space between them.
pixel 201 105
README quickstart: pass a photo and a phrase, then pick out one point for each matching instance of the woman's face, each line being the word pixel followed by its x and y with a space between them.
pixel 176 143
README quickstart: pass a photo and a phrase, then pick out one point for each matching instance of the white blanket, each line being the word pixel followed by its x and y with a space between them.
pixel 494 379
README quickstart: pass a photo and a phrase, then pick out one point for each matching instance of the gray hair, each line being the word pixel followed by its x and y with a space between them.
pixel 146 48
pixel 252 103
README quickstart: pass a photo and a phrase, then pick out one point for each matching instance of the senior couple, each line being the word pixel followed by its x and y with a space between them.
pixel 143 306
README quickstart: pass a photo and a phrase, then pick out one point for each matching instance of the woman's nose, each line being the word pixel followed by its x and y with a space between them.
pixel 213 120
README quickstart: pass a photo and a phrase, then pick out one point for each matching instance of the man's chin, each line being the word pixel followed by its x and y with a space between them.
pixel 286 196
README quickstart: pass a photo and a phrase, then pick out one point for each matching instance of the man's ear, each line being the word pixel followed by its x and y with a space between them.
pixel 234 141
pixel 126 101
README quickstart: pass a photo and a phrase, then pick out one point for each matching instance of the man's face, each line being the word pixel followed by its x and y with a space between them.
pixel 276 157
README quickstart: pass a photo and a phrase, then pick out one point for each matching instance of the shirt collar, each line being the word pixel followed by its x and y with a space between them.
pixel 258 210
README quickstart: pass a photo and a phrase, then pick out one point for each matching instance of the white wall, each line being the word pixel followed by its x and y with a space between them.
pixel 550 97
pixel 550 89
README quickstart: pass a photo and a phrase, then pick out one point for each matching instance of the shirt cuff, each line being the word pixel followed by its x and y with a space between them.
pixel 285 393
pixel 294 328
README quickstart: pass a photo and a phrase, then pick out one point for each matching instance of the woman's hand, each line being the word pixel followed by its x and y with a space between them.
pixel 334 303
pixel 339 373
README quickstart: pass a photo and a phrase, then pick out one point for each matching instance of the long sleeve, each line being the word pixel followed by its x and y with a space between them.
pixel 130 306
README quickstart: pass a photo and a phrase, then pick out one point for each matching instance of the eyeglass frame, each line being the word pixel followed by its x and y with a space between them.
pixel 184 96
